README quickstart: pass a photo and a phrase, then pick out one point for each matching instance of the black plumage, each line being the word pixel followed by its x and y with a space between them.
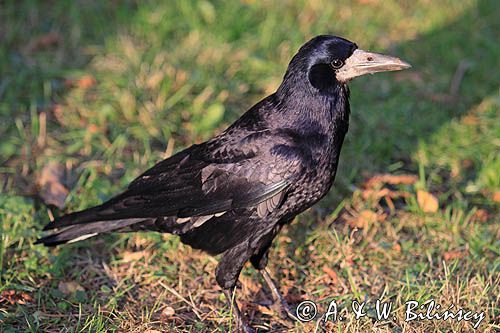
pixel 232 194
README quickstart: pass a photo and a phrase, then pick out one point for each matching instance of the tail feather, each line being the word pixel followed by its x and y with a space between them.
pixel 74 233
pixel 102 212
pixel 84 216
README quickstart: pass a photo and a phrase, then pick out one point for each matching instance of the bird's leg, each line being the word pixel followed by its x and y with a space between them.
pixel 259 261
pixel 227 273
pixel 284 308
pixel 242 326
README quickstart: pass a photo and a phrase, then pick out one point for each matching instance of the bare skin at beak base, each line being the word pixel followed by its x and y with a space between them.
pixel 364 62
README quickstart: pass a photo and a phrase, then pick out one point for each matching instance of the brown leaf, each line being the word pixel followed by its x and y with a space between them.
pixel 285 239
pixel 481 215
pixel 26 298
pixel 51 189
pixel 15 297
pixel 427 202
pixel 364 218
pixel 396 247
pixel 457 254
pixel 385 192
pixel 85 82
pixel 382 217
pixel 387 178
pixel 264 310
pixel 69 287
pixel 375 194
pixel 331 274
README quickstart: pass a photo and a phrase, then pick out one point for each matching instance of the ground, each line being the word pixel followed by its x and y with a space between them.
pixel 94 92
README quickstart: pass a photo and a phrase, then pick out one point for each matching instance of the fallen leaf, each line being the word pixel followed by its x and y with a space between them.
pixel 264 310
pixel 364 218
pixel 285 239
pixel 427 202
pixel 85 82
pixel 450 255
pixel 92 128
pixel 481 215
pixel 377 180
pixel 396 247
pixel 496 197
pixel 385 192
pixel 69 287
pixel 382 217
pixel 15 297
pixel 51 189
pixel 26 298
pixel 331 274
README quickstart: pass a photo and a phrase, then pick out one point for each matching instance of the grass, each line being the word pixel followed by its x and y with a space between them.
pixel 108 88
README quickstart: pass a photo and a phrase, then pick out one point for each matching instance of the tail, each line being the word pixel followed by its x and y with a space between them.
pixel 90 222
pixel 78 226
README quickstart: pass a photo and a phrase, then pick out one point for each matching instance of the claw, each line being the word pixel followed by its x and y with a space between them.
pixel 280 304
pixel 285 311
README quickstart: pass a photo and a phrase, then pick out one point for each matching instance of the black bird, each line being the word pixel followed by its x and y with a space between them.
pixel 232 194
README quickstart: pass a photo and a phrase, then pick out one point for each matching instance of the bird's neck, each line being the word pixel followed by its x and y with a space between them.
pixel 308 110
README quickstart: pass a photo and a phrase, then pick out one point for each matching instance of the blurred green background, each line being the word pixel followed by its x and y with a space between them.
pixel 107 88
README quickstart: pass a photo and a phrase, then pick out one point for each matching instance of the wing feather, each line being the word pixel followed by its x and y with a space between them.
pixel 192 183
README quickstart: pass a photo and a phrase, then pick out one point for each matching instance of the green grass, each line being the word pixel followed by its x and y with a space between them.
pixel 168 74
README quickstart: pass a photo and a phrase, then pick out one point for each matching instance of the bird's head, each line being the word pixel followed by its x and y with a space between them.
pixel 327 61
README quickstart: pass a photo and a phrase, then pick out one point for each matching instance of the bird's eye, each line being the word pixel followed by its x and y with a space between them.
pixel 337 63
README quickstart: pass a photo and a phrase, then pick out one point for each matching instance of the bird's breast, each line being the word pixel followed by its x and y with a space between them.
pixel 311 186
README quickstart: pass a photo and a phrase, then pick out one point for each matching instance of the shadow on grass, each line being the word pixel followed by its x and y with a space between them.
pixel 388 121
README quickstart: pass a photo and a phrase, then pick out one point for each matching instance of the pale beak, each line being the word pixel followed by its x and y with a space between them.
pixel 363 62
